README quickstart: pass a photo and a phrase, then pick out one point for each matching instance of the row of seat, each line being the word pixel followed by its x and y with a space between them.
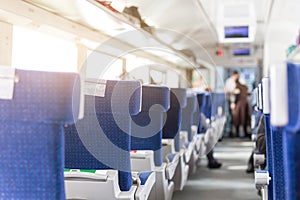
pixel 279 103
pixel 134 142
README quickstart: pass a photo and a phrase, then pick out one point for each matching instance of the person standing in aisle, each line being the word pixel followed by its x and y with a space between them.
pixel 230 86
pixel 241 112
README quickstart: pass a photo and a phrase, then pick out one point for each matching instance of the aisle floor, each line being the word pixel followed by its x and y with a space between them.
pixel 230 182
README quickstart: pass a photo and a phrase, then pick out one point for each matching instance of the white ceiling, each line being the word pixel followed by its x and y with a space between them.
pixel 197 20
pixel 191 26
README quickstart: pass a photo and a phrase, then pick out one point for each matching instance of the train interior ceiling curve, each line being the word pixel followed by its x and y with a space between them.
pixel 136 59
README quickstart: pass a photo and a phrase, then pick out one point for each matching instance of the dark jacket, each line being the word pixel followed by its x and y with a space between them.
pixel 241 112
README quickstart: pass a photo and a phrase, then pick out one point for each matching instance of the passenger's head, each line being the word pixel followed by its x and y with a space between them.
pixel 235 75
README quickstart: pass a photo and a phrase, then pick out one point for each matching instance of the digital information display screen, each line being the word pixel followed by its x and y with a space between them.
pixel 236 31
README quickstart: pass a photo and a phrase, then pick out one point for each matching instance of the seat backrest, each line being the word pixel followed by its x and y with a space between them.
pixel 218 100
pixel 146 127
pixel 188 114
pixel 207 110
pixel 172 125
pixel 31 134
pixel 101 140
pixel 201 99
pixel 291 134
pixel 196 114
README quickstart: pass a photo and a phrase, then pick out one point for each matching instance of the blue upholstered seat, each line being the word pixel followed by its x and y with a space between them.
pixel 147 125
pixel 144 177
pixel 196 114
pixel 218 100
pixel 207 110
pixel 274 149
pixel 173 122
pixel 291 135
pixel 269 153
pixel 201 99
pixel 101 140
pixel 188 114
pixel 31 134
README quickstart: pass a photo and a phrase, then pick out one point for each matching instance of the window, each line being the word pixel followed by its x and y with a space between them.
pixel 34 50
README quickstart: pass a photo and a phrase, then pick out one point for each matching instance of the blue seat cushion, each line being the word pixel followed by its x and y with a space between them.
pixel 144 176
pixel 186 144
pixel 171 156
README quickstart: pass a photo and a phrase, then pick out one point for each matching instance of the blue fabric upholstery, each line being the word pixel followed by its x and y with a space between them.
pixel 104 133
pixel 269 153
pixel 188 114
pixel 147 135
pixel 144 177
pixel 171 156
pixel 291 135
pixel 278 171
pixel 196 114
pixel 201 98
pixel 173 122
pixel 291 149
pixel 30 99
pixel 31 134
pixel 201 101
pixel 208 105
pixel 274 159
pixel 218 100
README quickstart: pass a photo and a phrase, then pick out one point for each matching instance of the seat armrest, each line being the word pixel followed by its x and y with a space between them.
pixel 183 138
pixel 145 186
pixel 188 152
pixel 82 175
pixel 85 185
pixel 194 130
pixel 171 165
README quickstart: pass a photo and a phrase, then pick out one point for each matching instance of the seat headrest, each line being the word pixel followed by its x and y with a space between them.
pixel 178 97
pixel 49 97
pixel 152 95
pixel 119 97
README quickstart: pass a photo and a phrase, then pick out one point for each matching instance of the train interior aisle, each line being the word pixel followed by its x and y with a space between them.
pixel 149 99
pixel 228 182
